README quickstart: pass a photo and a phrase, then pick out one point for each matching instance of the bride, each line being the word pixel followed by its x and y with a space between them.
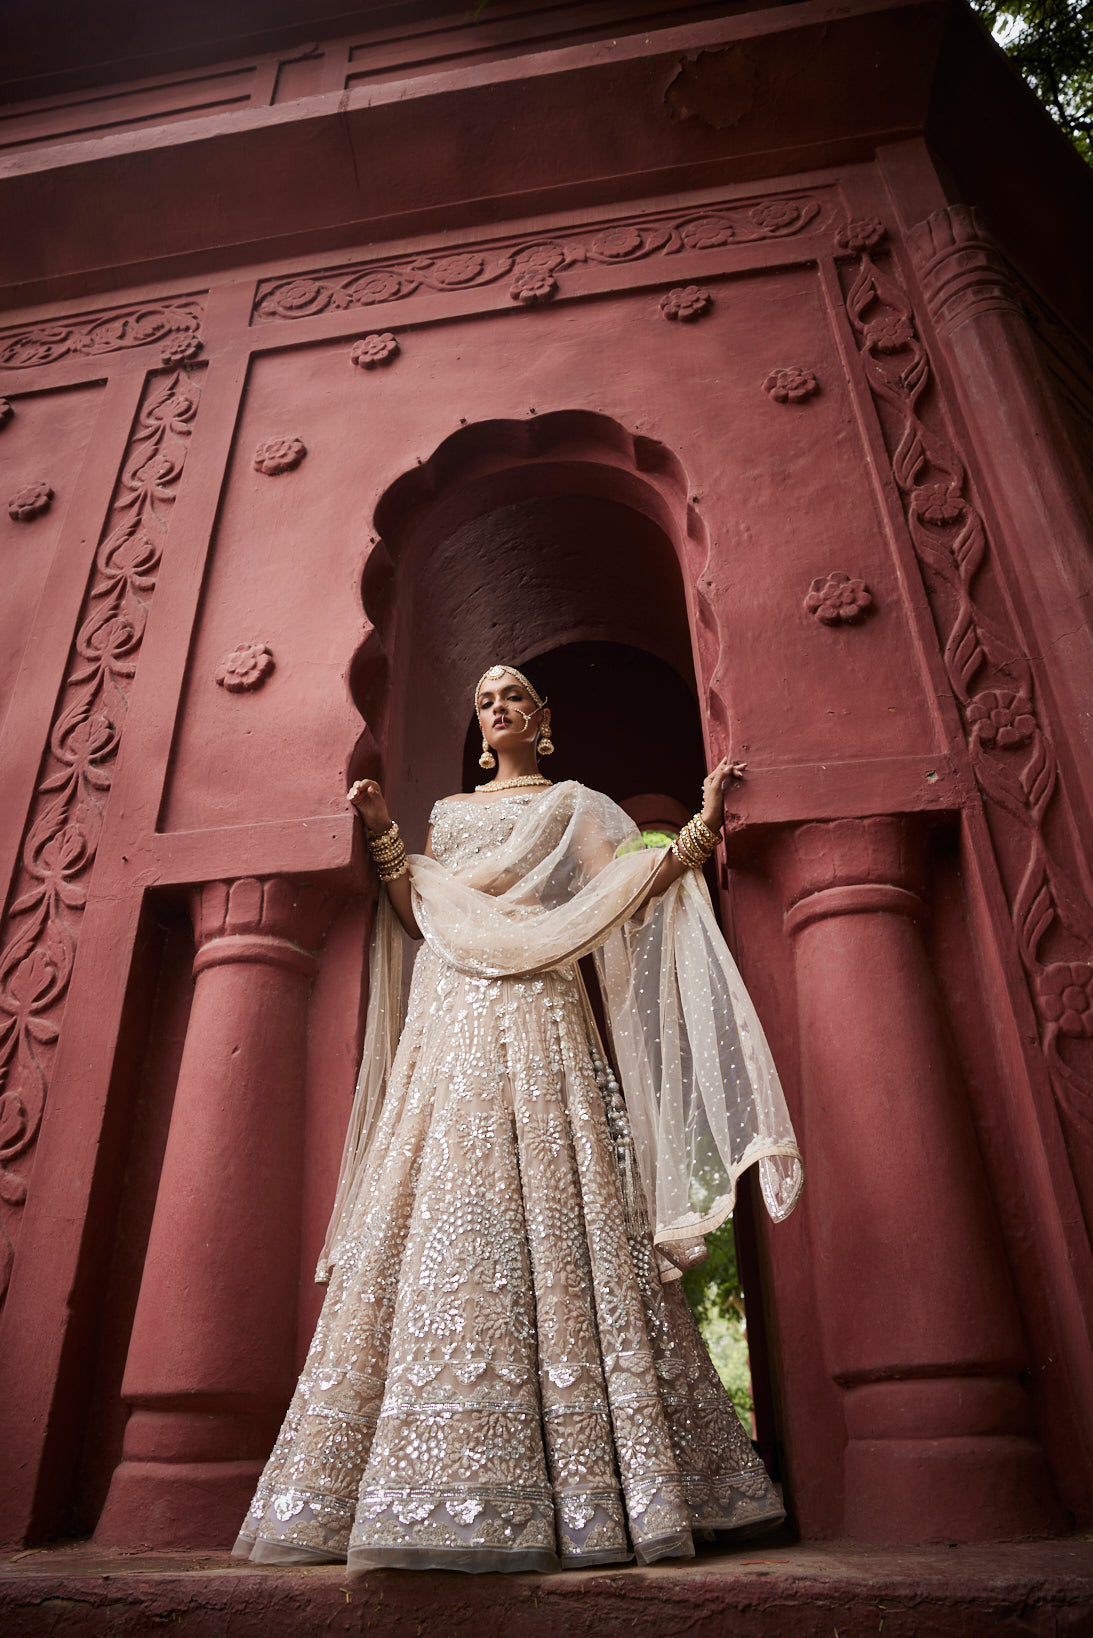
pixel 505 1374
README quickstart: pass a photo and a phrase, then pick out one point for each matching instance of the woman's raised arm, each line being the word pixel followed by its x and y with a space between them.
pixel 712 814
pixel 366 796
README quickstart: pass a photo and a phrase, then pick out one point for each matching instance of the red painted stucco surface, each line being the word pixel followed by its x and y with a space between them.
pixel 732 353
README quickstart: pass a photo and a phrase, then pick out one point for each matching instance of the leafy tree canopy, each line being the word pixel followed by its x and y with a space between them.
pixel 1051 42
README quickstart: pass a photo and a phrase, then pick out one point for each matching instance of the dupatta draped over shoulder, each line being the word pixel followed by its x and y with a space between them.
pixel 701 1089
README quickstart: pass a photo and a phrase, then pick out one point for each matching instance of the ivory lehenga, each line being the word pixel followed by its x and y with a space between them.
pixel 506 1375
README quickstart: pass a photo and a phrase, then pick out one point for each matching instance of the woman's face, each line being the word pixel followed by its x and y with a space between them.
pixel 507 713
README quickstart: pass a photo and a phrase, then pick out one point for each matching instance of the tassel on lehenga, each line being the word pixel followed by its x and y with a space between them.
pixel 626 1160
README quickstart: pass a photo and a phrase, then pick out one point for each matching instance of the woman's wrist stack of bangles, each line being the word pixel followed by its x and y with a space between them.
pixel 695 843
pixel 388 853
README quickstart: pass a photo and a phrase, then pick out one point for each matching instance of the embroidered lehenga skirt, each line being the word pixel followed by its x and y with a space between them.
pixel 499 1379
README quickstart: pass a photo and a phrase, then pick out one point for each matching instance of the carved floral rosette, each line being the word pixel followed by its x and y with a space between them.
pixel 374 350
pixel 30 501
pixel 245 668
pixel 989 671
pixel 838 599
pixel 685 304
pixel 792 385
pixel 279 454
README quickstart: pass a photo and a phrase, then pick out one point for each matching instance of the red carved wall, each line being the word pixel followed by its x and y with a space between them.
pixel 375 355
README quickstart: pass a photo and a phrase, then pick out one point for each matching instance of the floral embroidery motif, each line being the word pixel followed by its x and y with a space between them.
pixel 245 668
pixel 837 599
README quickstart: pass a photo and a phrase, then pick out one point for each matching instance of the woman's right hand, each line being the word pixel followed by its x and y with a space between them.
pixel 366 796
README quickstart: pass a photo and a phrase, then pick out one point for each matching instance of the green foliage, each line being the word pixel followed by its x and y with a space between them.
pixel 715 1284
pixel 1051 42
pixel 728 1347
pixel 717 1300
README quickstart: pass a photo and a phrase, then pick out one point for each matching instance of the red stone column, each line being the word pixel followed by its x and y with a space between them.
pixel 211 1360
pixel 920 1328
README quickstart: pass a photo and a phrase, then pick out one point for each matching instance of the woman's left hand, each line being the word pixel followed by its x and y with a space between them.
pixel 713 791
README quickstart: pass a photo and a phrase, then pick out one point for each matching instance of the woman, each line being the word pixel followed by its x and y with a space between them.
pixel 506 1375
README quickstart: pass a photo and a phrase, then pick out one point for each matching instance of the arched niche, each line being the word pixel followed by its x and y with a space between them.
pixel 565 539
pixel 568 547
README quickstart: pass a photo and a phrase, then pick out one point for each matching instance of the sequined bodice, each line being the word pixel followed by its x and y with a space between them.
pixel 465 831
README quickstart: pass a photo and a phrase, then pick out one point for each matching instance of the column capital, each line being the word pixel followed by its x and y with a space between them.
pixel 961 269
pixel 251 913
pixel 842 867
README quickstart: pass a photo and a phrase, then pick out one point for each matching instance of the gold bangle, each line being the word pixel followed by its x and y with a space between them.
pixel 388 869
pixel 385 842
pixel 683 852
pixel 695 843
pixel 388 835
pixel 388 853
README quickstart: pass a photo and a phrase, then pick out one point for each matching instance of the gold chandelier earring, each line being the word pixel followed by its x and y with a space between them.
pixel 487 759
pixel 545 745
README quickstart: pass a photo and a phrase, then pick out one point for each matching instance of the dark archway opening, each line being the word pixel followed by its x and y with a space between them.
pixel 624 722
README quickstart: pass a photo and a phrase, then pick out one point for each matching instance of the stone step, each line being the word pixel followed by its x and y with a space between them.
pixel 1031 1589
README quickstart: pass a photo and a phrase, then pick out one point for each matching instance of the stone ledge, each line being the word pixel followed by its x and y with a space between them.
pixel 1023 1588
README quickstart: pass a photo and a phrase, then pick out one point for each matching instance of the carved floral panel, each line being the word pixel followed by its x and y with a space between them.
pixel 39 933
pixel 533 267
pixel 173 325
pixel 989 670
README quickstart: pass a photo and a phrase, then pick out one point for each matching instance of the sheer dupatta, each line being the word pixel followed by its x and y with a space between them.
pixel 701 1089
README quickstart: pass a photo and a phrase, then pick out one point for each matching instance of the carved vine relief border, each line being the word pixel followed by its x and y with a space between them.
pixel 93 333
pixel 990 674
pixel 61 839
pixel 532 266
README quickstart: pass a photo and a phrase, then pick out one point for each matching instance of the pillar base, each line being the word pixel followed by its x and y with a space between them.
pixel 906 1491
pixel 177 1505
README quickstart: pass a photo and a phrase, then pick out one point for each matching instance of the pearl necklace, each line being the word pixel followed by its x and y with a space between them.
pixel 510 784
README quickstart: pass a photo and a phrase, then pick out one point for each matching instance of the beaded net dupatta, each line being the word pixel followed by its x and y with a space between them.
pixel 702 1092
